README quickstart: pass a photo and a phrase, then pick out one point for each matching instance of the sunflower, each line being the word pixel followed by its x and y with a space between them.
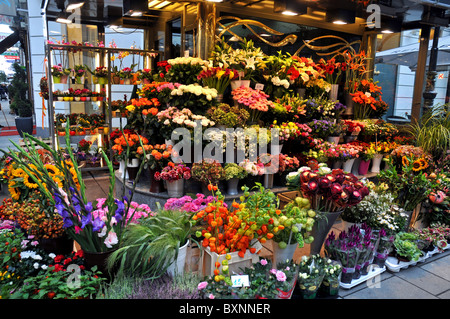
pixel 405 161
pixel 423 163
pixel 18 172
pixel 14 191
pixel 29 182
pixel 417 165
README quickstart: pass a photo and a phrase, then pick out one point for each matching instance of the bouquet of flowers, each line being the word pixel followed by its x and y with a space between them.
pixel 208 171
pixel 84 145
pixel 323 128
pixel 292 131
pixel 252 168
pixel 173 172
pixel 218 78
pixel 127 144
pixel 354 66
pixel 288 107
pixel 288 163
pixel 160 90
pixel 100 71
pixel 230 116
pixel 352 127
pixel 158 156
pixel 126 73
pixel 233 170
pixel 254 101
pixel 79 70
pixel 146 74
pixel 303 70
pixel 328 190
pixel 349 150
pixel 189 204
pixel 320 107
pixel 185 70
pixel 193 96
pixel 331 69
pixel 367 97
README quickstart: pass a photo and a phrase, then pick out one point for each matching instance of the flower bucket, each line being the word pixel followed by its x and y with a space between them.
pixel 155 186
pixel 376 162
pixel 333 139
pixel 287 294
pixel 99 259
pixel 337 164
pixel 321 229
pixel 102 80
pixel 268 180
pixel 175 189
pixel 56 79
pixel 347 165
pixel 333 94
pixel 363 167
pixel 349 103
pixel 177 267
pixel 123 173
pixel 132 168
pixel 233 186
pixel 219 98
pixel 282 254
pixel 309 287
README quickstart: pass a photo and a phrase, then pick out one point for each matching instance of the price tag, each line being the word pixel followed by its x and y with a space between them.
pixel 186 53
pixel 240 281
pixel 256 244
pixel 259 86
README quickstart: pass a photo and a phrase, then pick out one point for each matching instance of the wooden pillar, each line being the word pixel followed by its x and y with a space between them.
pixel 420 74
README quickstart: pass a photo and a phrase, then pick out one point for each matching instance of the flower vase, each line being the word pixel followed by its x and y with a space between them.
pixel 177 266
pixel 356 166
pixel 268 180
pixel 132 169
pixel 60 98
pixel 59 246
pixel 348 164
pixel 376 162
pixel 155 186
pixel 301 92
pixel 333 94
pixel 99 259
pixel 349 103
pixel 56 79
pixel 321 229
pixel 282 254
pixel 175 189
pixel 363 167
pixel 333 139
pixel 233 186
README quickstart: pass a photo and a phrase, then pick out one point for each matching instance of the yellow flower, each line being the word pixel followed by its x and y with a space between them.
pixel 52 170
pixel 131 108
pixel 220 74
pixel 18 172
pixel 29 182
pixel 14 191
pixel 417 166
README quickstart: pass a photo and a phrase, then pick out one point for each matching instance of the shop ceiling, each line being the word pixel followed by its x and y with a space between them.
pixel 147 13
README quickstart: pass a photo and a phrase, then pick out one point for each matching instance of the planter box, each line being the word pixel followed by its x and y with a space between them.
pixel 373 271
pixel 234 264
pixel 394 265
pixel 193 256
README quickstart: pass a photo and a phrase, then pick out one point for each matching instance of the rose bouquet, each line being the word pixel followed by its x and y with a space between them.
pixel 173 172
pixel 185 70
pixel 254 101
pixel 328 190
pixel 218 78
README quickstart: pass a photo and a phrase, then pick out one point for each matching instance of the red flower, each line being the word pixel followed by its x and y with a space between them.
pixel 59 258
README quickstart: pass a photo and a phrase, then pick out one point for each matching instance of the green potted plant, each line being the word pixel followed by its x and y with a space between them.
pixel 154 245
pixel 233 173
pixel 207 172
pixel 20 103
pixel 406 248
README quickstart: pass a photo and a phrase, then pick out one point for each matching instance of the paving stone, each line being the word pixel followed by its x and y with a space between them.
pixel 391 288
pixel 424 280
pixel 445 295
pixel 439 267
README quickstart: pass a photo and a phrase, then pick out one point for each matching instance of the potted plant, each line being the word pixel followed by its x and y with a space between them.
pixel 233 173
pixel 343 250
pixel 331 279
pixel 385 243
pixel 57 73
pixel 146 76
pixel 208 171
pixel 155 245
pixel 80 72
pixel 310 275
pixel 405 247
pixel 158 156
pixel 174 175
pixel 20 104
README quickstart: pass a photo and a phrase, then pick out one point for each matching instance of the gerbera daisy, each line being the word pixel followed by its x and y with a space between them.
pixel 405 161
pixel 417 166
pixel 423 163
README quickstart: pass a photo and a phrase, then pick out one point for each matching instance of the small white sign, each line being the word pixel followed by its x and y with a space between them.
pixel 240 281
pixel 186 53
pixel 259 86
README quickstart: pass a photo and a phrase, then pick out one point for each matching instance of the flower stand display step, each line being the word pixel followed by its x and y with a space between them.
pixel 373 271
pixel 395 265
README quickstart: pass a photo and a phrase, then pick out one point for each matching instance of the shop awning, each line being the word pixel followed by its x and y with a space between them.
pixel 408 54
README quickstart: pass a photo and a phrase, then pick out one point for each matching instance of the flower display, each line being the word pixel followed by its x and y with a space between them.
pixel 126 145
pixel 230 116
pixel 208 171
pixel 323 128
pixel 255 101
pixel 367 97
pixel 184 70
pixel 303 70
pixel 292 131
pixel 218 78
pixel 193 96
pixel 233 170
pixel 189 204
pixel 157 156
pixel 173 172
pixel 252 168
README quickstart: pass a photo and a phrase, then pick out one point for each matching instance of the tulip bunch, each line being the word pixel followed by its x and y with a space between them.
pixel 218 78
pixel 328 190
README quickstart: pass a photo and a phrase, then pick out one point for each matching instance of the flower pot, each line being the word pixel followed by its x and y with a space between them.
pixel 282 254
pixel 349 103
pixel 333 94
pixel 24 124
pixel 287 294
pixel 175 189
pixel 321 229
pixel 60 98
pixel 155 186
pixel 177 267
pixel 380 259
pixel 127 81
pixel 79 79
pixel 64 79
pixel 56 79
pixel 348 164
pixel 77 98
pixel 100 98
pixel 94 99
pixel 66 98
pixel 132 168
pixel 350 138
pixel 309 287
pixel 102 80
pixel 329 288
pixel 83 99
pixel 376 162
pixel 116 80
pixel 347 275
pixel 268 180
pixel 333 139
pixel 233 186
pixel 363 167
pixel 59 246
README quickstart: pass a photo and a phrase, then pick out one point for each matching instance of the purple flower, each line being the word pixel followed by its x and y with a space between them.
pixel 97 224
pixel 86 220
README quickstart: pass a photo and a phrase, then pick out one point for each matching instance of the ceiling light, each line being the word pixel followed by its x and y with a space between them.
pixel 340 16
pixel 162 4
pixel 74 5
pixel 153 3
pixel 289 7
pixel 63 18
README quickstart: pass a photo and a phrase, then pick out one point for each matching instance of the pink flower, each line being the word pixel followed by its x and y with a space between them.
pixel 202 285
pixel 111 239
pixel 211 296
pixel 281 276
pixel 77 229
pixel 263 262
pixel 34 243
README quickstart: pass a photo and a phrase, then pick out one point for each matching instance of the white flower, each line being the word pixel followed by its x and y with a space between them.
pixel 37 257
pixel 44 267
pixel 52 255
pixel 36 265
pixel 111 240
pixel 103 232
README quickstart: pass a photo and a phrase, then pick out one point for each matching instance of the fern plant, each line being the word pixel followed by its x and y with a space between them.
pixel 149 248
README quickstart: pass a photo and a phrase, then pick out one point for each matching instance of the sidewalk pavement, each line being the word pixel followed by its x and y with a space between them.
pixel 7 119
